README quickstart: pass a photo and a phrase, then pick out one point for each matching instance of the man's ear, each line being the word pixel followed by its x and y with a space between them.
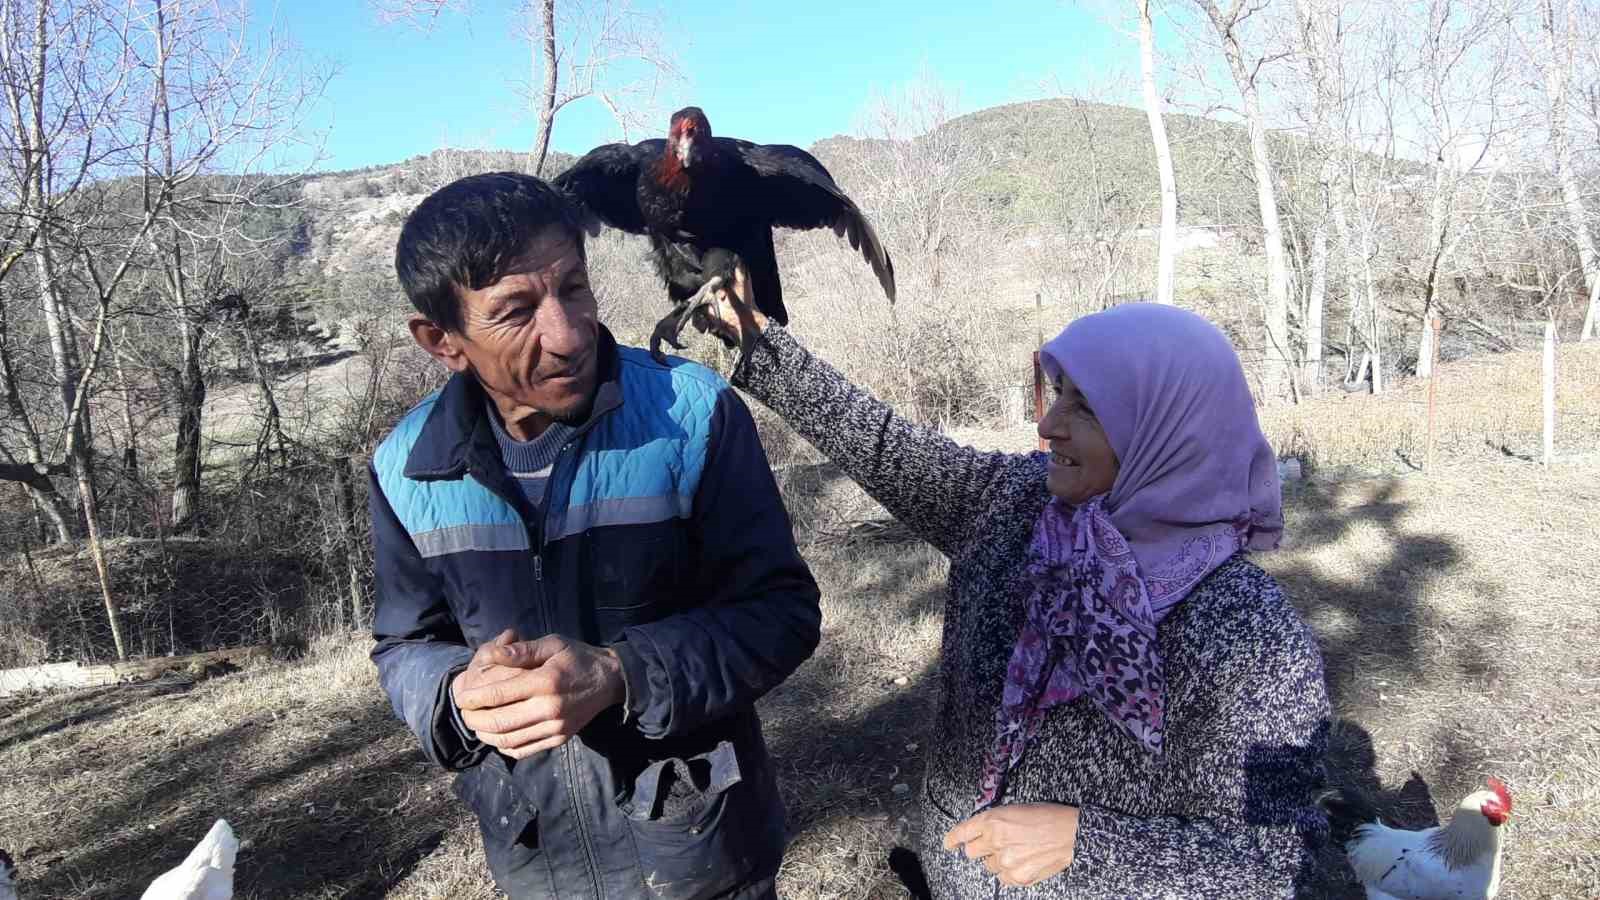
pixel 440 344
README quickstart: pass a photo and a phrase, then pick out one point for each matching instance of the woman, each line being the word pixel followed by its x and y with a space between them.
pixel 1129 707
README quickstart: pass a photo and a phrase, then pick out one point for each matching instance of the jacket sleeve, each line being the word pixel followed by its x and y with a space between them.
pixel 760 619
pixel 1258 836
pixel 933 485
pixel 420 646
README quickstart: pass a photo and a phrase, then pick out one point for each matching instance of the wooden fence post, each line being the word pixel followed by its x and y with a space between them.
pixel 1038 373
pixel 1549 390
pixel 344 501
pixel 1038 395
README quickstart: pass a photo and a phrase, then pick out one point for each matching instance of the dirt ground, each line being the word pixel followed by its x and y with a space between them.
pixel 1456 610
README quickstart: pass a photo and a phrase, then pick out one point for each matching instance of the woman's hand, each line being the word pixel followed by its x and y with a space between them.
pixel 733 317
pixel 1022 844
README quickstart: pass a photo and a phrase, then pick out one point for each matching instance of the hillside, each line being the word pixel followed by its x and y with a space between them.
pixel 1070 184
pixel 1044 155
pixel 1035 157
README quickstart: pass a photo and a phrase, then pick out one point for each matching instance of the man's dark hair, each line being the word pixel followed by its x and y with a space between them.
pixel 468 232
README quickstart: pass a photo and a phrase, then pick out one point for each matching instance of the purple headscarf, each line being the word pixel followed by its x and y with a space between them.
pixel 1197 483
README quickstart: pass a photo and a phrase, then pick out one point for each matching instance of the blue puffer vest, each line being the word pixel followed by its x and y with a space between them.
pixel 664 538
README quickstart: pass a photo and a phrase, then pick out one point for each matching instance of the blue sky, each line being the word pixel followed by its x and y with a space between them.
pixel 764 71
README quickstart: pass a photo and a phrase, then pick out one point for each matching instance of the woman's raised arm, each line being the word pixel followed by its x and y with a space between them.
pixel 933 485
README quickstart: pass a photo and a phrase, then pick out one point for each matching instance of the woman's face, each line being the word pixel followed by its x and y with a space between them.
pixel 1082 463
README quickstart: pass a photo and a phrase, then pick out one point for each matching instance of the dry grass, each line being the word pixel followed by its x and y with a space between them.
pixel 1487 407
pixel 1456 612
pixel 1455 609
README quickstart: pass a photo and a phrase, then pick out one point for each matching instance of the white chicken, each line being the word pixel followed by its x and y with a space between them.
pixel 205 874
pixel 1457 861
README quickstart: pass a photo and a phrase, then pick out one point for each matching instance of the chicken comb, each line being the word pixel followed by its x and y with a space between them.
pixel 1499 788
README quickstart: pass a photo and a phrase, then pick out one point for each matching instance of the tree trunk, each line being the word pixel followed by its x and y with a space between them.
pixel 58 328
pixel 344 506
pixel 1317 47
pixel 1426 345
pixel 130 452
pixel 1355 293
pixel 1315 300
pixel 1441 245
pixel 34 476
pixel 191 398
pixel 1276 373
pixel 547 100
pixel 1276 366
pixel 91 517
pixel 64 355
pixel 1594 310
pixel 1168 251
pixel 272 438
pixel 1374 315
pixel 1558 69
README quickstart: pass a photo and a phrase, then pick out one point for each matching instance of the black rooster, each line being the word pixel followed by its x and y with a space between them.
pixel 694 193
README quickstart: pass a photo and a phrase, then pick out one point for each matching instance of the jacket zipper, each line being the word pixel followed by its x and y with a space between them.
pixel 583 823
pixel 566 751
pixel 536 536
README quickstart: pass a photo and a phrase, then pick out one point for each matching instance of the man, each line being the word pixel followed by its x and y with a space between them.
pixel 585 574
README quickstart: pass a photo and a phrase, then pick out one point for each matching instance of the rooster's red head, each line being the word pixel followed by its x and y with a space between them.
pixel 689 136
pixel 1498 809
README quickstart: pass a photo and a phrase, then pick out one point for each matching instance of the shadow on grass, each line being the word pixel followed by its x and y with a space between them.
pixel 344 807
pixel 844 734
pixel 1388 639
pixel 46 718
pixel 349 814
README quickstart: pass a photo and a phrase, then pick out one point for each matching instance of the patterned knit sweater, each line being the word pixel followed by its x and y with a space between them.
pixel 1226 811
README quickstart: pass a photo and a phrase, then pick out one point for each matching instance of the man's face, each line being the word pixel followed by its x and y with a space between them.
pixel 531 338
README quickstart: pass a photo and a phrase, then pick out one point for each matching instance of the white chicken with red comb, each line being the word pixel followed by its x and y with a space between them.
pixel 1456 861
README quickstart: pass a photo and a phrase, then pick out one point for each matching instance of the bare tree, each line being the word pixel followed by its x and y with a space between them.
pixel 1317 44
pixel 67 110
pixel 1559 25
pixel 96 92
pixel 230 107
pixel 1167 263
pixel 1460 65
pixel 918 175
pixel 1229 27
pixel 419 14
pixel 608 50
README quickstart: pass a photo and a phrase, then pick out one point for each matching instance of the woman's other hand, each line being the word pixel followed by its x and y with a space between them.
pixel 1021 844
pixel 733 317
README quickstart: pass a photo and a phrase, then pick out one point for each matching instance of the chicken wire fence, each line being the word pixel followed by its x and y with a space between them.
pixel 285 557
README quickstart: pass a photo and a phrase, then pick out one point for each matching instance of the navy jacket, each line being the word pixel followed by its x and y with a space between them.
pixel 663 537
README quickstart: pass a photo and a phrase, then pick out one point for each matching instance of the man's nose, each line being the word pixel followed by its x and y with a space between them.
pixel 565 331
